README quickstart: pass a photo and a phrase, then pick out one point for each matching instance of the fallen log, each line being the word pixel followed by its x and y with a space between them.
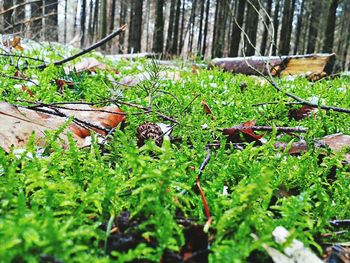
pixel 313 66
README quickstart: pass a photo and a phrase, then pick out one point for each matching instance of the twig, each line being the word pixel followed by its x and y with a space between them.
pixel 277 102
pixel 19 78
pixel 86 50
pixel 340 223
pixel 148 110
pixel 21 56
pixel 270 128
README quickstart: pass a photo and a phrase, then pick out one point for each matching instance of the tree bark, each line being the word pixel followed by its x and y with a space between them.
pixel 176 27
pixel 103 22
pixel 236 32
pixel 8 17
pixel 82 22
pixel 191 24
pixel 123 9
pixel 206 28
pixel 284 44
pixel 298 27
pixel 135 26
pixel 266 29
pixel 201 17
pixel 275 25
pixel 169 40
pixel 313 28
pixel 182 28
pixel 330 28
pixel 252 27
pixel 36 10
pixel 159 28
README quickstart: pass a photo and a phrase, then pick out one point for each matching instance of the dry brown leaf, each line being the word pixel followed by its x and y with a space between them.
pixel 14 43
pixel 336 142
pixel 17 124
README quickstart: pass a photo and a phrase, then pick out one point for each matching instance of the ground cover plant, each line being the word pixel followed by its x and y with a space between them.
pixel 129 201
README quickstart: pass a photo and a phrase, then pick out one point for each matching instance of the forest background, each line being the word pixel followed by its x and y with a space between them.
pixel 188 28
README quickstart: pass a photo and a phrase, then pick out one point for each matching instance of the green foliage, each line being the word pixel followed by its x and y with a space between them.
pixel 56 204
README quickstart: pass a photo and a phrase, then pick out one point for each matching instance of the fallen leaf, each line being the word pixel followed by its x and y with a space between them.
pixel 335 142
pixel 206 107
pixel 301 113
pixel 234 133
pixel 25 89
pixel 61 83
pixel 296 147
pixel 18 123
pixel 295 252
pixel 14 43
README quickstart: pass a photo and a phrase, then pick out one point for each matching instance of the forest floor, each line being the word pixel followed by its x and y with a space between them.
pixel 229 161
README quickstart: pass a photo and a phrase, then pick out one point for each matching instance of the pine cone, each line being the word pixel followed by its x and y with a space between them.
pixel 147 131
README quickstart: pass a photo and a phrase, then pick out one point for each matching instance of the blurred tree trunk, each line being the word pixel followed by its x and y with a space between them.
pixel 135 26
pixel 298 27
pixel 221 12
pixel 201 17
pixel 65 20
pixel 266 29
pixel 181 42
pixel 252 27
pixel 19 15
pixel 286 17
pixel 8 17
pixel 95 21
pixel 206 28
pixel 191 24
pixel 330 27
pixel 169 40
pixel 123 10
pixel 159 28
pixel 176 27
pixel 103 21
pixel 51 20
pixel 36 13
pixel 236 31
pixel 82 22
pixel 275 25
pixel 313 27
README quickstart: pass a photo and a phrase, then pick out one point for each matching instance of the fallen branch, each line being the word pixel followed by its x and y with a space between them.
pixel 86 50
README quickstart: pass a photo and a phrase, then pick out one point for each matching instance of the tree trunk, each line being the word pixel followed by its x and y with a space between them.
pixel 266 29
pixel 219 28
pixel 181 42
pixel 330 28
pixel 298 27
pixel 199 44
pixel 236 32
pixel 313 28
pixel 135 26
pixel 82 22
pixel 191 24
pixel 176 27
pixel 19 15
pixel 95 24
pixel 123 9
pixel 36 14
pixel 103 22
pixel 8 17
pixel 252 27
pixel 159 28
pixel 275 25
pixel 170 27
pixel 284 44
pixel 206 28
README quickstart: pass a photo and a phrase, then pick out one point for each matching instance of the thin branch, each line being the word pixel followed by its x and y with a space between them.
pixel 270 128
pixel 86 50
pixel 21 56
pixel 18 78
